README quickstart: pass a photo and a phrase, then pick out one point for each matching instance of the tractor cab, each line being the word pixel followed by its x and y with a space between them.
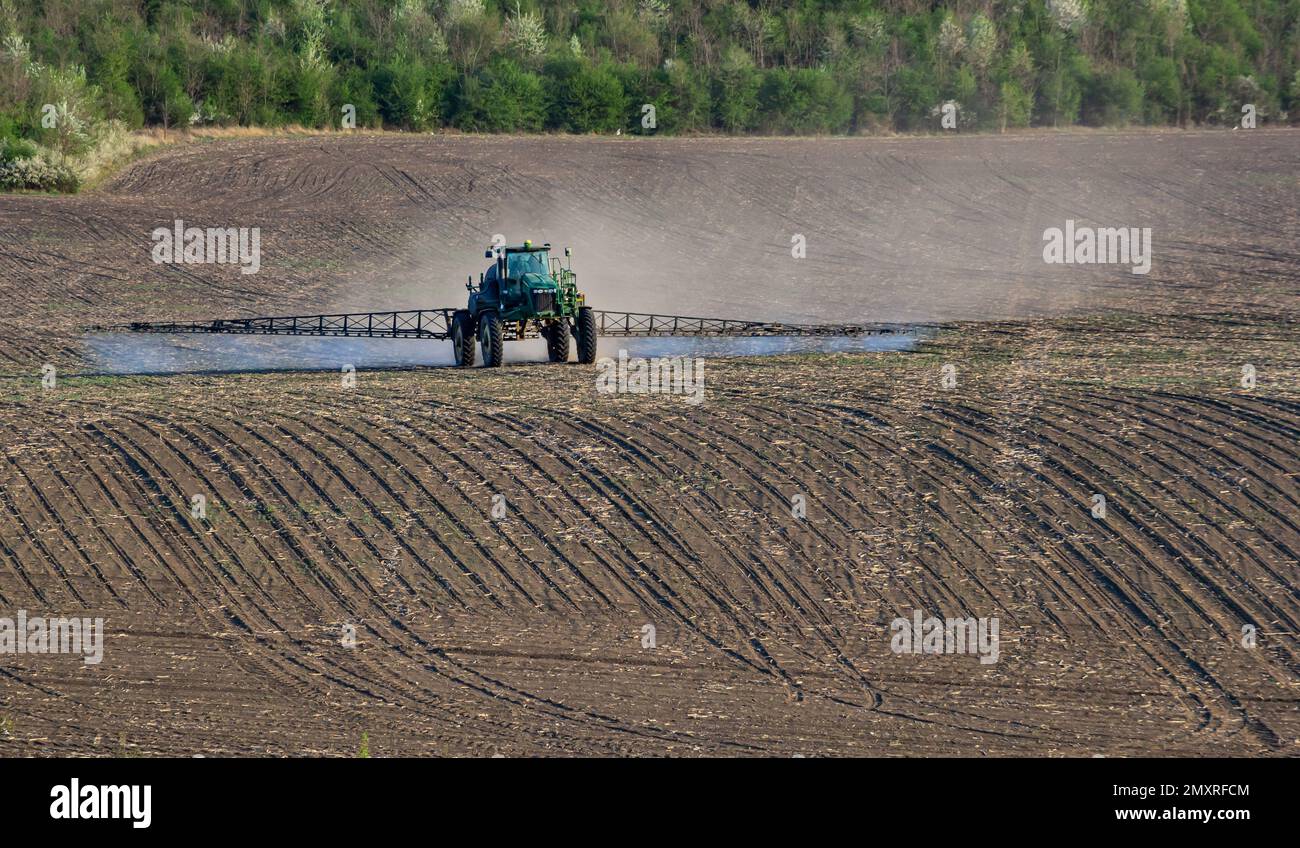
pixel 519 285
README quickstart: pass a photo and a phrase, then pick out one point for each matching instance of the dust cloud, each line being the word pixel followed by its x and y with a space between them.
pixel 899 230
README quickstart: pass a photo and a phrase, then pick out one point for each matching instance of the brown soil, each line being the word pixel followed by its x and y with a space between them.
pixel 522 635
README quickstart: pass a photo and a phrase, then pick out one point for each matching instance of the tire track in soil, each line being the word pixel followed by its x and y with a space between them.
pixel 622 503
pixel 1154 617
pixel 911 717
pixel 1046 525
pixel 516 698
pixel 939 577
pixel 303 678
pixel 630 562
pixel 1110 591
pixel 708 531
pixel 1128 594
pixel 804 607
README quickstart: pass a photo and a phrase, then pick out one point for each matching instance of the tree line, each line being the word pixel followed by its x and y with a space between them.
pixel 69 69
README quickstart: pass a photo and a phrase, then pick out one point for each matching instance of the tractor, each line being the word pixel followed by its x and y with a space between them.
pixel 524 293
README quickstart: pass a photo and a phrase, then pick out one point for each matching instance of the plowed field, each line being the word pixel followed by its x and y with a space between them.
pixel 498 540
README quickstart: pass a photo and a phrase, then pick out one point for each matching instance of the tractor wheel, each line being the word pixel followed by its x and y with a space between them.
pixel 586 333
pixel 462 338
pixel 490 339
pixel 557 341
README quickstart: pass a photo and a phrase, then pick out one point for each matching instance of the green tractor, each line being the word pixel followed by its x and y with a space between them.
pixel 525 293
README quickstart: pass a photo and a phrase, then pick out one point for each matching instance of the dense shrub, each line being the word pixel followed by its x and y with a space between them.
pixel 735 92
pixel 37 175
pixel 1163 91
pixel 12 149
pixel 1015 105
pixel 915 99
pixel 406 96
pixel 354 88
pixel 685 105
pixel 803 101
pixel 1112 98
pixel 583 99
pixel 501 98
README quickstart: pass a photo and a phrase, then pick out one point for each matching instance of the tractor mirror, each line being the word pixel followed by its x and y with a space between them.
pixel 487 254
pixel 568 252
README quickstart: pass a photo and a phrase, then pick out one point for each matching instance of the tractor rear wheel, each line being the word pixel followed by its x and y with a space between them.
pixel 557 341
pixel 490 339
pixel 586 333
pixel 462 338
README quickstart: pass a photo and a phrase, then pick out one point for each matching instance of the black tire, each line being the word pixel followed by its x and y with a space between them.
pixel 586 333
pixel 557 341
pixel 490 339
pixel 462 338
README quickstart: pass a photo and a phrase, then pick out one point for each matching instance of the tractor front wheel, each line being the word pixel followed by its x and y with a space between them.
pixel 557 341
pixel 491 340
pixel 462 338
pixel 586 333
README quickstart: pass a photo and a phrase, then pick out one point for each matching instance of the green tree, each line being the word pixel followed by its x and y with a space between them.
pixel 1159 78
pixel 735 92
pixel 805 100
pixel 583 99
pixel 408 96
pixel 501 98
pixel 1112 98
pixel 1015 105
pixel 353 87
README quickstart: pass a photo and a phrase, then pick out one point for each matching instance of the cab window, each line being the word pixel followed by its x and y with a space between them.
pixel 531 262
